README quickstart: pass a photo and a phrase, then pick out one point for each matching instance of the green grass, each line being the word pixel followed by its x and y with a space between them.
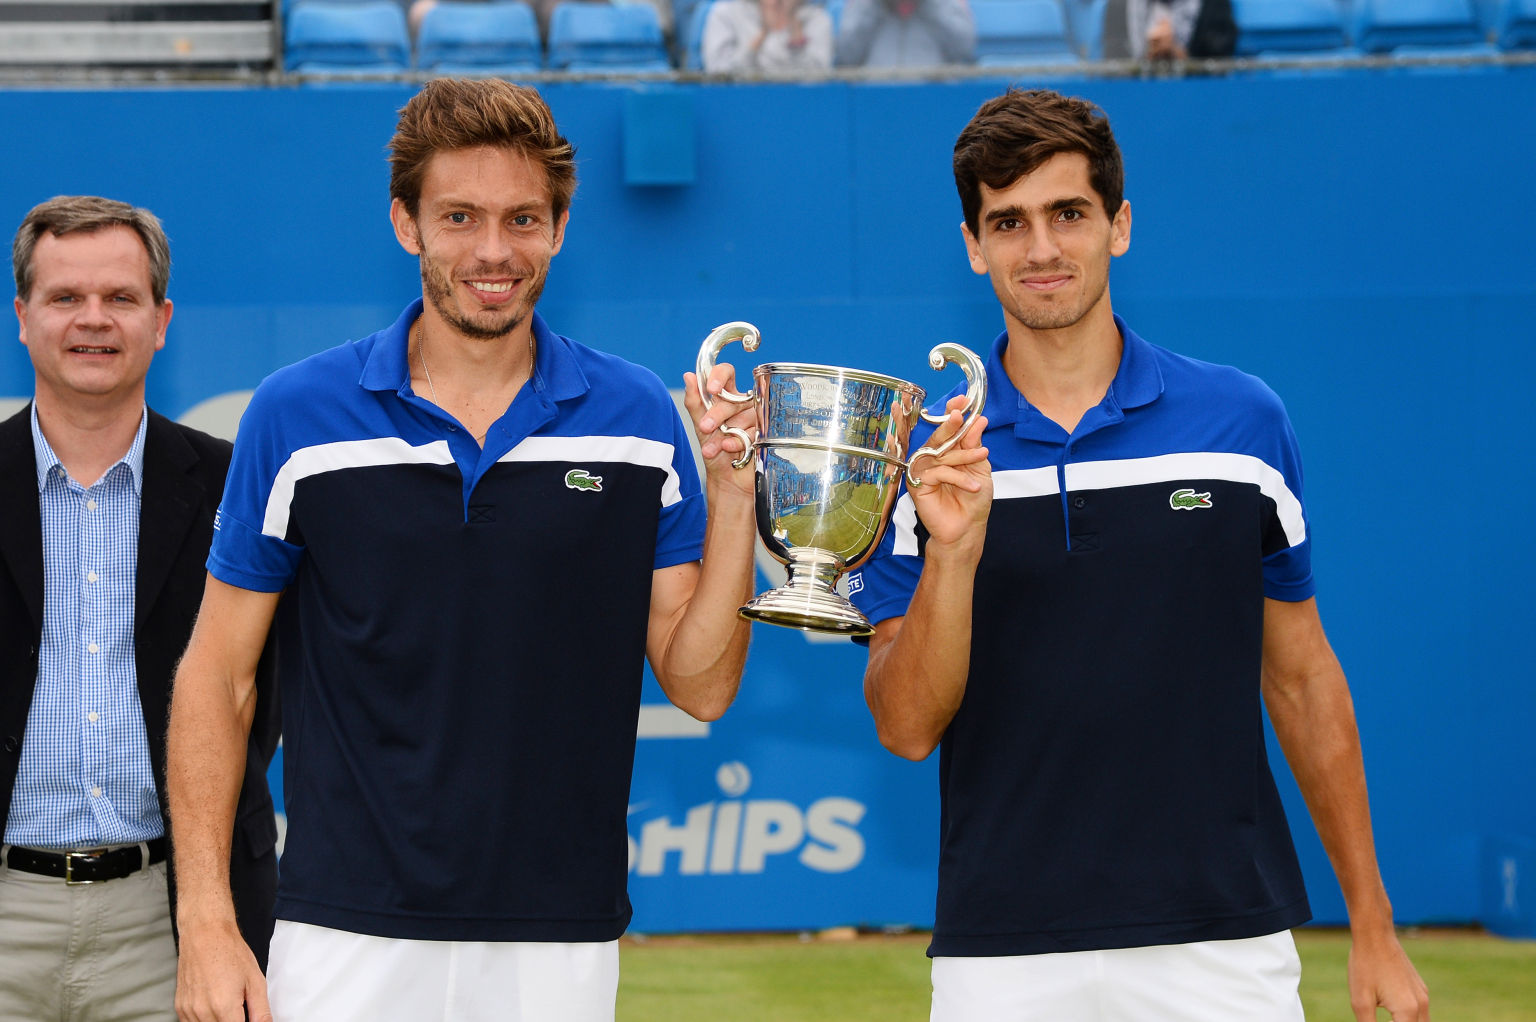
pixel 782 978
pixel 1472 977
pixel 773 979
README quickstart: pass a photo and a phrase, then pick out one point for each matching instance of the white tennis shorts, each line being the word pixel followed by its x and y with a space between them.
pixel 316 974
pixel 1254 979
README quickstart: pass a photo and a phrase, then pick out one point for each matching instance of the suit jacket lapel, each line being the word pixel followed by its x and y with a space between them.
pixel 21 520
pixel 167 509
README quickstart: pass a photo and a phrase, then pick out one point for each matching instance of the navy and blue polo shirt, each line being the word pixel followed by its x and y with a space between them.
pixel 1104 783
pixel 462 638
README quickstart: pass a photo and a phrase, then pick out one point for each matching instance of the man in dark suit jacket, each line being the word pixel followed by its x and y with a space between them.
pixel 91 276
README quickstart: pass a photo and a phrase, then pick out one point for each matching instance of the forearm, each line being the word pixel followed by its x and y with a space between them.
pixel 706 639
pixel 210 722
pixel 1315 724
pixel 915 682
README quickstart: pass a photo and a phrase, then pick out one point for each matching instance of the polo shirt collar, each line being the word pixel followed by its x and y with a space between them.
pixel 557 374
pixel 1138 381
pixel 46 461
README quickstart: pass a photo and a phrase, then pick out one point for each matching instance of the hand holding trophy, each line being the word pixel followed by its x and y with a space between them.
pixel 830 448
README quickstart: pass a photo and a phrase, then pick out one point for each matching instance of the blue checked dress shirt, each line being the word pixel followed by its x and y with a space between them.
pixel 84 778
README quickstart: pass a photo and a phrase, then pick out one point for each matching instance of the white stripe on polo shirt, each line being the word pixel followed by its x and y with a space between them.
pixel 1013 484
pixel 333 457
pixel 630 450
pixel 1236 468
pixel 1009 484
pixel 344 454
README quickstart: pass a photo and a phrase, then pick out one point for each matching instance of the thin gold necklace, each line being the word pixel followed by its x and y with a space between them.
pixel 421 354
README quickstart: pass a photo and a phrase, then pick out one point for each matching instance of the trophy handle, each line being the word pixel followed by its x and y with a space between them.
pixel 975 400
pixel 718 338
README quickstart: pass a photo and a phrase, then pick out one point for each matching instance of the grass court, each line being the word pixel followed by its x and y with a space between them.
pixel 1472 977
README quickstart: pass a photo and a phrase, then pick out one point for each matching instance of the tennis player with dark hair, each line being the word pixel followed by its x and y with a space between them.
pixel 1087 608
pixel 480 531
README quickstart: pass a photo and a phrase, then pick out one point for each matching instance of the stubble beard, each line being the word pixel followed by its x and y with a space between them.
pixel 1053 316
pixel 438 290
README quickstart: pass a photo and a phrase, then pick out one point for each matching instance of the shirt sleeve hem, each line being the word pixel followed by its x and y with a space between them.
pixel 230 575
pixel 667 557
pixel 1290 592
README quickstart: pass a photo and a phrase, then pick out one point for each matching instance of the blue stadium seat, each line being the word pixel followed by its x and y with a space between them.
pixel 339 36
pixel 1085 20
pixel 693 35
pixel 501 37
pixel 1267 27
pixel 1517 25
pixel 603 37
pixel 1385 26
pixel 1488 14
pixel 1022 32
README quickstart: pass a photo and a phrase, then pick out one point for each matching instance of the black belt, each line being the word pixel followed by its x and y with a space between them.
pixel 90 866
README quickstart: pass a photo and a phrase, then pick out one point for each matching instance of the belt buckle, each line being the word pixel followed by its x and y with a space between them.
pixel 87 855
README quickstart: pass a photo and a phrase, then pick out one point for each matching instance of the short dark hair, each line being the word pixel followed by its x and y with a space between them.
pixel 461 113
pixel 1015 133
pixel 66 214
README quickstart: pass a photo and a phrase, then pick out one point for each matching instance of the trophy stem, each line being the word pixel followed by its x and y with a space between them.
pixel 809 600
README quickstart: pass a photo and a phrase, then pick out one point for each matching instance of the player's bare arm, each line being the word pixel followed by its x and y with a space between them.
pixel 1309 704
pixel 918 663
pixel 696 642
pixel 212 706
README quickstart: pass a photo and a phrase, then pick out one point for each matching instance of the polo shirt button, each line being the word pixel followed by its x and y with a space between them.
pixel 1079 502
pixel 90 505
pixel 93 648
pixel 96 792
pixel 93 716
pixel 91 577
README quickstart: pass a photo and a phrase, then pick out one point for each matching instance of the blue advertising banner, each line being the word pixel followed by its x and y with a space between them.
pixel 1314 229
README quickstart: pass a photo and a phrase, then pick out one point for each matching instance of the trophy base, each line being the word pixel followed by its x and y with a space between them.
pixel 808 608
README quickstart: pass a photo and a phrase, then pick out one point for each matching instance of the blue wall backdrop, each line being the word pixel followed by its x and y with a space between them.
pixel 1360 240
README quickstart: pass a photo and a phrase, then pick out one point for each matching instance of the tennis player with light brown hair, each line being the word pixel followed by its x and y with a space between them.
pixel 469 533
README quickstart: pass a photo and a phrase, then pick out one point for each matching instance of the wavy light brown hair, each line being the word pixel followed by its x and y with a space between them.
pixel 458 113
pixel 67 214
pixel 1014 134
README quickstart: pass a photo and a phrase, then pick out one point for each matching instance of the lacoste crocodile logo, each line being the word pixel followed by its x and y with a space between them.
pixel 578 479
pixel 1188 500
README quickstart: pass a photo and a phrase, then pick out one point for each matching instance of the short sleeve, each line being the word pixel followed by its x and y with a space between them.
pixel 680 529
pixel 1287 536
pixel 247 549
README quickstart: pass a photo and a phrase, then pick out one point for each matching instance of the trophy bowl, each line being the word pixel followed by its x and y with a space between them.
pixel 831 447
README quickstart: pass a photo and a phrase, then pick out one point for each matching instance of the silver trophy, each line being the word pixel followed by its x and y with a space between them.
pixel 831 444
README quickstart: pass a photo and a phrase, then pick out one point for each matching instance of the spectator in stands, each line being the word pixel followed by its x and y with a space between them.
pixel 767 35
pixel 1162 30
pixel 906 33
pixel 108 510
